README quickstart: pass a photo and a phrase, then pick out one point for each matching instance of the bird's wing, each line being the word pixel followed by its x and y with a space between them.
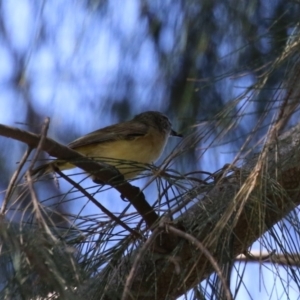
pixel 123 131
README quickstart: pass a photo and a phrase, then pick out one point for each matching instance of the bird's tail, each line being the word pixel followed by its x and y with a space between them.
pixel 42 170
pixel 50 167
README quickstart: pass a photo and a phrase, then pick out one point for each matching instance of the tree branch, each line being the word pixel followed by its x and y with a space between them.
pixel 101 171
pixel 274 195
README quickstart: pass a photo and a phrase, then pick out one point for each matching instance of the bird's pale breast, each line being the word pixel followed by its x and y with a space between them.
pixel 143 149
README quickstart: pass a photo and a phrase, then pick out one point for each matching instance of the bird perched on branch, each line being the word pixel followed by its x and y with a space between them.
pixel 126 145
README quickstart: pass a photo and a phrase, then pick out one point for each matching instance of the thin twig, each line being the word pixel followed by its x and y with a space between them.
pixel 36 205
pixel 21 164
pixel 200 246
pixel 99 205
pixel 13 181
pixel 139 256
pixel 263 257
pixel 41 142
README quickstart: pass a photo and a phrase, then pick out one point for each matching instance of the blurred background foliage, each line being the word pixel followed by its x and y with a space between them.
pixel 87 64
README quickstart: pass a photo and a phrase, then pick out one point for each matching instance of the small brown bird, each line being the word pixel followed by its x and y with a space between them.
pixel 126 145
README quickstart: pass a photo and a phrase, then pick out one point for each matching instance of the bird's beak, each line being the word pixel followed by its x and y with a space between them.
pixel 174 133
